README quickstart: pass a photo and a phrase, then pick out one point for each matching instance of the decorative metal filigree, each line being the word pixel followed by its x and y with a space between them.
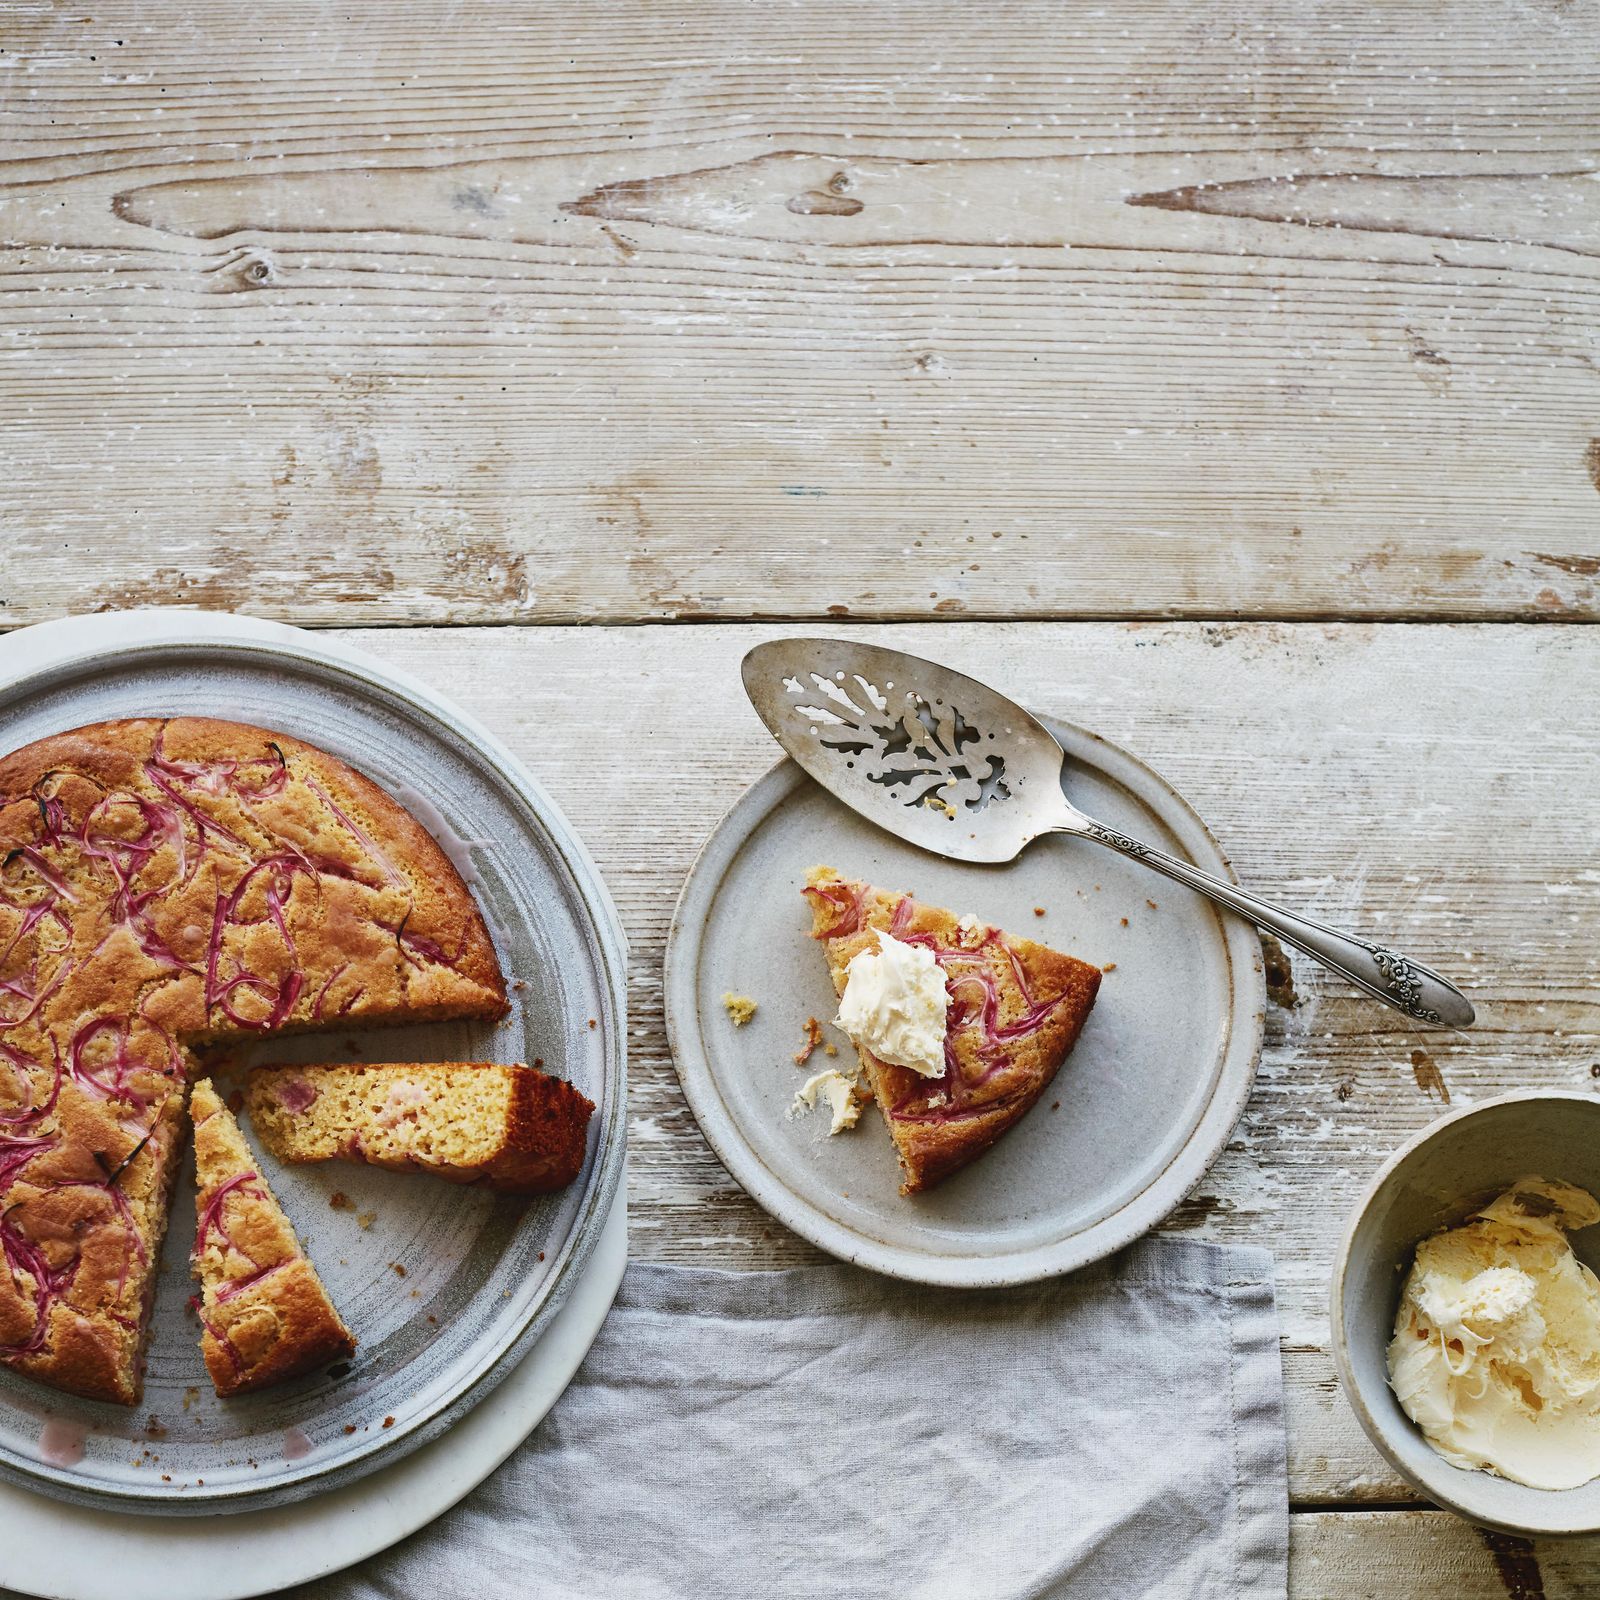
pixel 1118 841
pixel 923 752
pixel 1401 980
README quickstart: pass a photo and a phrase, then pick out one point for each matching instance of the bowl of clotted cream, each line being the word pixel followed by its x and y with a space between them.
pixel 1466 1312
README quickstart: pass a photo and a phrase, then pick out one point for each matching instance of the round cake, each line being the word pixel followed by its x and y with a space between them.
pixel 166 883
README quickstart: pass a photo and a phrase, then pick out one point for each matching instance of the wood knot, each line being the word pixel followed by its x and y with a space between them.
pixel 831 201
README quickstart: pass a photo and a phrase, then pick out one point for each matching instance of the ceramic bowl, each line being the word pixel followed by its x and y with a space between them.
pixel 1446 1172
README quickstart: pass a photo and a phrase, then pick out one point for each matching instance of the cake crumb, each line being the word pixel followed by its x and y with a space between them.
pixel 166 1477
pixel 593 1023
pixel 154 1428
pixel 740 1008
pixel 349 1427
pixel 935 802
pixel 813 1039
pixel 1110 966
pixel 1055 1105
pixel 190 1397
pixel 1038 911
pixel 388 1422
pixel 398 1270
pixel 367 1218
pixel 1153 906
pixel 1124 922
pixel 541 1255
pixel 830 1049
pixel 340 1201
pixel 518 984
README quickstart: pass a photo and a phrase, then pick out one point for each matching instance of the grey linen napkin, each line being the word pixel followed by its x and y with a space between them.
pixel 829 1432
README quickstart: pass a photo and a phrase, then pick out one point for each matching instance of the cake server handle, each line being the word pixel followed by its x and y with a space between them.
pixel 1395 979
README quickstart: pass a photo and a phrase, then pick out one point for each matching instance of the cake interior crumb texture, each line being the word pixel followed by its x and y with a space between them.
pixel 264 1313
pixel 511 1128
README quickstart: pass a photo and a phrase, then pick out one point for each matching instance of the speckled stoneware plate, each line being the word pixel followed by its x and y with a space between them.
pixel 445 1288
pixel 1141 1109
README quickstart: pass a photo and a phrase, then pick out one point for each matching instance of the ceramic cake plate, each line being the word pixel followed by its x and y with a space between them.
pixel 447 1289
pixel 1143 1106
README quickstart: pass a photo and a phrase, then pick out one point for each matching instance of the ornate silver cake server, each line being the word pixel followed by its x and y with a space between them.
pixel 954 767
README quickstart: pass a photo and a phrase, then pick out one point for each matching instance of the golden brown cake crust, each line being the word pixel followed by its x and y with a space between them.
pixel 1016 1010
pixel 265 1313
pixel 164 882
pixel 510 1128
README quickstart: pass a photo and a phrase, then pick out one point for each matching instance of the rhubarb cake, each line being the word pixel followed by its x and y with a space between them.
pixel 163 883
pixel 510 1128
pixel 1009 1013
pixel 263 1309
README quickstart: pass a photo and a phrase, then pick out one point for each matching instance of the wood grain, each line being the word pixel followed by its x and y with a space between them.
pixel 462 313
pixel 1402 1555
pixel 1372 775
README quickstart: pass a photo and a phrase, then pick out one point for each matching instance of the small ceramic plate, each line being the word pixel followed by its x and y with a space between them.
pixel 1141 1109
pixel 445 1288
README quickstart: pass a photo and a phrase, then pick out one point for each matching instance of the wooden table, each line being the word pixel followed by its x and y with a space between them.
pixel 1224 377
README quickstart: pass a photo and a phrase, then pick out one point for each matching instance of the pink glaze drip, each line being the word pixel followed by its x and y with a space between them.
pixel 61 1442
pixel 296 1444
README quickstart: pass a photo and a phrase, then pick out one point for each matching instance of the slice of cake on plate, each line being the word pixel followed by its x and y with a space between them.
pixel 163 882
pixel 510 1128
pixel 960 1027
pixel 264 1310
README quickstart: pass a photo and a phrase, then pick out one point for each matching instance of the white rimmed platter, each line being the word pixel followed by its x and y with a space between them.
pixel 68 1552
pixel 1141 1109
pixel 446 1289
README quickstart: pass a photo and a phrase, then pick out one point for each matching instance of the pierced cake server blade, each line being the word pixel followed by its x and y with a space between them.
pixel 951 765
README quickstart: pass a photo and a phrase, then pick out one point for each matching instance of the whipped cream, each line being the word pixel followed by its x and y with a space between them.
pixel 1496 1348
pixel 830 1087
pixel 894 1005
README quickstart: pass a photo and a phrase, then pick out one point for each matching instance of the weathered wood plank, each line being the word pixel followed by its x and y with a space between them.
pixel 701 310
pixel 1438 783
pixel 1411 1555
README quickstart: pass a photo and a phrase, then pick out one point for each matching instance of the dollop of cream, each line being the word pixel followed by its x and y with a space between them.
pixel 1496 1347
pixel 894 1005
pixel 834 1090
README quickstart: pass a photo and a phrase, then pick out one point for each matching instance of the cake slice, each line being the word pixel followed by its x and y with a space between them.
pixel 1013 1013
pixel 264 1310
pixel 510 1128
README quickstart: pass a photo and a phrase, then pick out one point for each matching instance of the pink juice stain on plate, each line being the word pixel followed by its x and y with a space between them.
pixel 296 1444
pixel 61 1442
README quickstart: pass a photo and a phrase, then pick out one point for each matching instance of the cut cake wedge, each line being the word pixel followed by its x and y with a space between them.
pixel 510 1128
pixel 1015 1011
pixel 265 1314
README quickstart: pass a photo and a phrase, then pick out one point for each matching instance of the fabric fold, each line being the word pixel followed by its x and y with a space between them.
pixel 827 1431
